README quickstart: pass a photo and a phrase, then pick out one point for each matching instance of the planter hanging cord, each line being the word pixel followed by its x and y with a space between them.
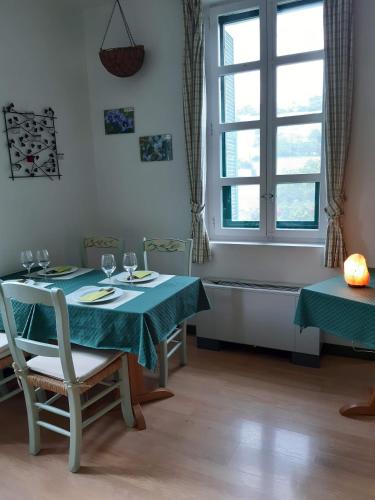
pixel 127 28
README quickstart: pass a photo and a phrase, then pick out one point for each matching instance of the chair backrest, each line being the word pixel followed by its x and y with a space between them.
pixel 166 248
pixel 54 298
pixel 95 246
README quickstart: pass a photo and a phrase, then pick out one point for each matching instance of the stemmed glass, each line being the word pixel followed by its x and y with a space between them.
pixel 42 256
pixel 129 263
pixel 108 264
pixel 27 260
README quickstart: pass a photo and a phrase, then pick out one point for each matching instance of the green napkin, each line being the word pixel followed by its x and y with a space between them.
pixel 92 296
pixel 138 275
pixel 59 270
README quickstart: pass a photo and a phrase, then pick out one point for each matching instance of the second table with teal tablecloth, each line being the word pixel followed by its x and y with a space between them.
pixel 338 309
pixel 136 326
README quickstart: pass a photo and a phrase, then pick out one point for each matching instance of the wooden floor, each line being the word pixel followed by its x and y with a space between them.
pixel 241 426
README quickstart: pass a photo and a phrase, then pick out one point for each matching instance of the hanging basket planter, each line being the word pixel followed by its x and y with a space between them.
pixel 122 61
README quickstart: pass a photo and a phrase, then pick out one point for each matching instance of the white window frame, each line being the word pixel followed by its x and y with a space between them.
pixel 267 124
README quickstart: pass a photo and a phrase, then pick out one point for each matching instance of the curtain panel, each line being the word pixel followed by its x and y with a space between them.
pixel 338 34
pixel 195 124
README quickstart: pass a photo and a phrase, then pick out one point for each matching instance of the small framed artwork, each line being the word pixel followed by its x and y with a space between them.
pixel 156 147
pixel 119 121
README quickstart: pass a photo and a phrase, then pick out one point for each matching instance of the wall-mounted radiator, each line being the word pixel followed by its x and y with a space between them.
pixel 256 314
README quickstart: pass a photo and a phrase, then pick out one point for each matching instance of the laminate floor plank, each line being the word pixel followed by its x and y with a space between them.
pixel 242 425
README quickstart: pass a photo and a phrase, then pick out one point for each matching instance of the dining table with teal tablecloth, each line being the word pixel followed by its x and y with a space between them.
pixel 339 309
pixel 135 327
pixel 344 311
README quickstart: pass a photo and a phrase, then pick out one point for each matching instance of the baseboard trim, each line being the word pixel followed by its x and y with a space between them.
pixel 297 358
pixel 302 359
pixel 209 344
pixel 347 352
pixel 222 345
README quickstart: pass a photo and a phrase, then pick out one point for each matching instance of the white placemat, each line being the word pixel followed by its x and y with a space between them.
pixel 126 296
pixel 81 270
pixel 148 284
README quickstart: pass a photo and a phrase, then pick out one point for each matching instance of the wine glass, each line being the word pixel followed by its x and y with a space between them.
pixel 129 263
pixel 42 256
pixel 27 260
pixel 108 264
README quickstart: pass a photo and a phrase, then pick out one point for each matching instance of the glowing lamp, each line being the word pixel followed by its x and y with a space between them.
pixel 355 271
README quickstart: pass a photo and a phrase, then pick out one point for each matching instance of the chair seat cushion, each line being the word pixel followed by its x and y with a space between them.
pixel 87 362
pixel 3 343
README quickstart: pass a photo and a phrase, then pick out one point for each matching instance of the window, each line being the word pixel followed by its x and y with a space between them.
pixel 265 62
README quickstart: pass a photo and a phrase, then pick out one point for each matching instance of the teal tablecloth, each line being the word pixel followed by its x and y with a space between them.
pixel 340 310
pixel 136 326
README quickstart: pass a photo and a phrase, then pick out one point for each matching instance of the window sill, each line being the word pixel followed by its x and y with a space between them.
pixel 268 244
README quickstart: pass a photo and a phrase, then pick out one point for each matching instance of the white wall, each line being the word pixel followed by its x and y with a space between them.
pixel 43 64
pixel 150 198
pixel 126 185
pixel 138 198
pixel 360 175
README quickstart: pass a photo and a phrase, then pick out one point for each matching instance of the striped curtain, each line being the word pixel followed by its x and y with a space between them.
pixel 195 124
pixel 338 33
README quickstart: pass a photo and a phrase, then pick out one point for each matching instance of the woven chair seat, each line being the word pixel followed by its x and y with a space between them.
pixel 59 387
pixel 86 362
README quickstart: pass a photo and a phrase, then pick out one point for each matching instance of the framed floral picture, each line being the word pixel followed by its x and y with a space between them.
pixel 156 148
pixel 119 121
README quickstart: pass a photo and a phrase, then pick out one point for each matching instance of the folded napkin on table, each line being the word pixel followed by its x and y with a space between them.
pixel 92 296
pixel 59 269
pixel 138 275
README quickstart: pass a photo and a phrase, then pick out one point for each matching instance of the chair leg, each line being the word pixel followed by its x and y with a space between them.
pixel 163 363
pixel 75 411
pixel 126 400
pixel 32 417
pixel 183 349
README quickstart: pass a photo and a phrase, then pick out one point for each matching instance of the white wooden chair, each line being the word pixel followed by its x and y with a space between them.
pixel 177 339
pixel 95 246
pixel 61 369
pixel 6 361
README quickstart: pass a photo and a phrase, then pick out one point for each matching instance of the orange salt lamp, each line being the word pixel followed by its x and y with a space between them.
pixel 355 271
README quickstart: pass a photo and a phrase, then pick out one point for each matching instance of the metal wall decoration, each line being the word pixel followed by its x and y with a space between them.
pixel 31 142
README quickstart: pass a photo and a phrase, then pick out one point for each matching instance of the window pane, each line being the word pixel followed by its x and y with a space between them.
pixel 240 97
pixel 299 28
pixel 241 206
pixel 241 153
pixel 240 39
pixel 299 149
pixel 297 205
pixel 300 88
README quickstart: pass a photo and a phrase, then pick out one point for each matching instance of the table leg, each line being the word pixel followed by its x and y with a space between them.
pixel 356 409
pixel 140 393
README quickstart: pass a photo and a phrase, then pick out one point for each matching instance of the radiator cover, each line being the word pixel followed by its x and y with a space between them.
pixel 257 314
